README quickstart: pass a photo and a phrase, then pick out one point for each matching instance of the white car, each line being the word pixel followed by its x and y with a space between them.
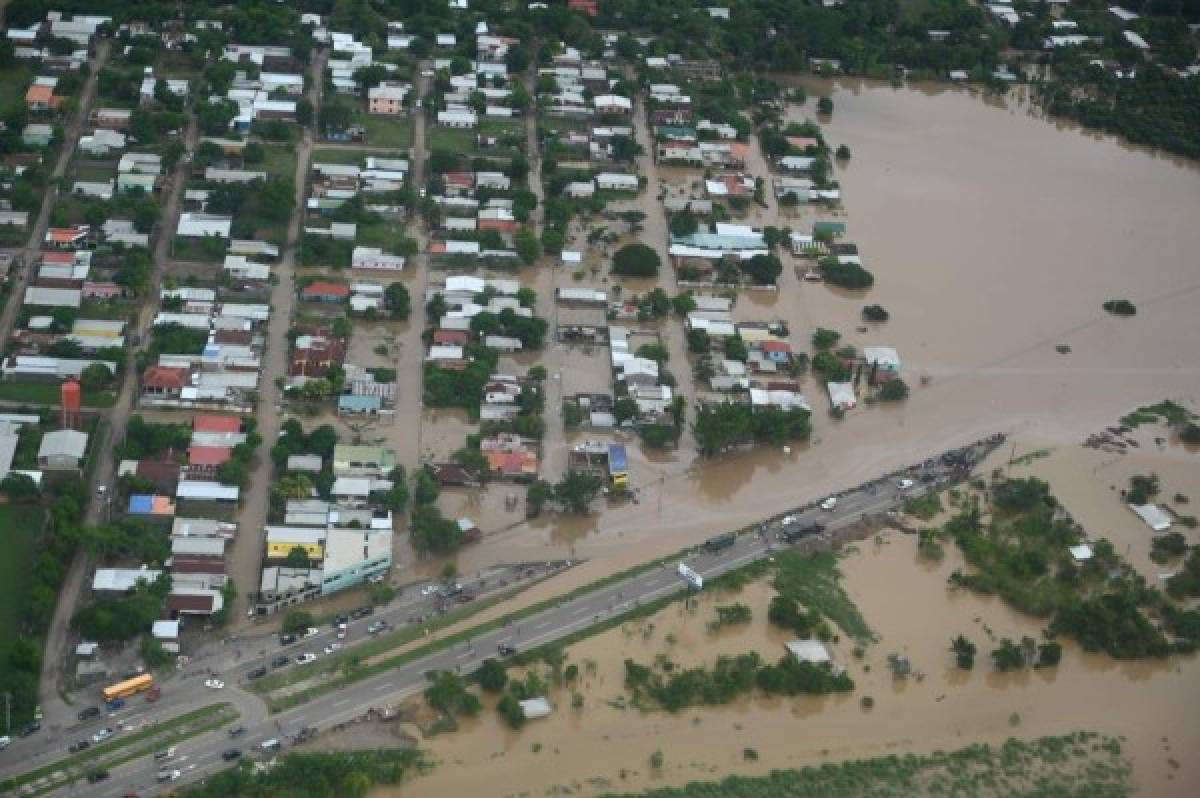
pixel 332 647
pixel 905 484
pixel 341 632
pixel 312 631
pixel 102 735
pixel 829 503
pixel 306 658
pixel 214 684
pixel 428 590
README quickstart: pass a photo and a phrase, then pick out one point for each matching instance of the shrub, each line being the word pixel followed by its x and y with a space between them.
pixel 636 260
pixel 875 313
pixel 1120 307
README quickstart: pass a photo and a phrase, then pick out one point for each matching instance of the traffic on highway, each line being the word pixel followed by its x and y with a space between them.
pixel 261 735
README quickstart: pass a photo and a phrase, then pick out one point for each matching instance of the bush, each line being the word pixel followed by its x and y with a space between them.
pixel 894 390
pixel 492 676
pixel 1120 307
pixel 825 339
pixel 875 313
pixel 296 621
pixel 845 275
pixel 636 260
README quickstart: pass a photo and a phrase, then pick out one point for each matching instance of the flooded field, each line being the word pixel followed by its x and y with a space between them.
pixel 605 744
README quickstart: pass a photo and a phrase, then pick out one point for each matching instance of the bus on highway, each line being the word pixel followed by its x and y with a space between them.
pixel 129 687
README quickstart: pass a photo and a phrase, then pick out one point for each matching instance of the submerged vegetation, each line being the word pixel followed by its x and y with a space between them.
pixel 1022 554
pixel 1083 763
pixel 814 581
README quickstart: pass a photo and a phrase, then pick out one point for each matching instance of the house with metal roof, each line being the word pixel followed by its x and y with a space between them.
pixel 62 450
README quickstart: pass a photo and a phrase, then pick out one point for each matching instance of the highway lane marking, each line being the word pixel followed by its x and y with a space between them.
pixel 383 687
pixel 343 701
pixel 579 611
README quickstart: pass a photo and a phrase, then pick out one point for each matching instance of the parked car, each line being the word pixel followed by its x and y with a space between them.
pixel 287 640
pixel 340 621
pixel 311 631
pixel 168 775
pixel 115 704
pixel 166 753
pixel 231 754
pixel 829 503
pixel 89 713
pixel 257 673
pixel 341 632
pixel 279 662
pixel 97 776
pixel 153 694
pixel 506 650
pixel 101 735
pixel 29 728
pixel 5 742
pixel 214 684
pixel 80 745
pixel 331 648
pixel 237 731
pixel 905 484
pixel 376 627
pixel 305 658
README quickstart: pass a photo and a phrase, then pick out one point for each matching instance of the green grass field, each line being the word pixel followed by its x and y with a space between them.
pixel 451 138
pixel 14 80
pixel 280 160
pixel 44 393
pixel 19 527
pixel 390 132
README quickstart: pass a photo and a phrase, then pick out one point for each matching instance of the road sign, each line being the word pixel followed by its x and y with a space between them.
pixel 693 579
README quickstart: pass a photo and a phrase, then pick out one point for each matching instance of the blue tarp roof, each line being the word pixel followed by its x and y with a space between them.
pixel 141 504
pixel 350 402
pixel 617 461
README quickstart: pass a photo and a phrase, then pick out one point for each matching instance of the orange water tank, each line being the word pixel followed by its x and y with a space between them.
pixel 72 401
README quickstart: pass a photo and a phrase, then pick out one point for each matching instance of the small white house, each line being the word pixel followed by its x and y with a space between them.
pixel 458 119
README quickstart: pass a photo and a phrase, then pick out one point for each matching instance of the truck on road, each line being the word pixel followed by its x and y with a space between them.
pixel 720 542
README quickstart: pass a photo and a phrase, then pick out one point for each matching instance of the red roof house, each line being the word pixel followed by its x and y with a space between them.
pixel 324 291
pixel 208 458
pixel 165 380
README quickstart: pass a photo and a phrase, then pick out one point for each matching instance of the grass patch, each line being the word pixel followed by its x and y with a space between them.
pixel 451 138
pixel 22 524
pixel 1082 763
pixel 815 581
pixel 391 132
pixel 279 160
pixel 127 747
pixel 14 80
pixel 42 393
pixel 923 507
pixel 342 773
pixel 339 155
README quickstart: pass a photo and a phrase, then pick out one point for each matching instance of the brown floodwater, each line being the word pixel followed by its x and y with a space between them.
pixel 908 604
pixel 994 237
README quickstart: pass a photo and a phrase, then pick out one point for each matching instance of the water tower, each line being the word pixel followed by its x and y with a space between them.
pixel 72 401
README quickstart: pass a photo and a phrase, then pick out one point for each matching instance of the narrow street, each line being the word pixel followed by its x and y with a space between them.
pixel 244 557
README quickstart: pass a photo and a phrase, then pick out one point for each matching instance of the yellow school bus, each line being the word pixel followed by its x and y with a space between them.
pixel 129 687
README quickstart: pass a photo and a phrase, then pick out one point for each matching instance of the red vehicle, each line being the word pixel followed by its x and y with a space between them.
pixel 154 694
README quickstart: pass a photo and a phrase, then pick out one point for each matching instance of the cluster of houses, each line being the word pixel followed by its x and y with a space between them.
pixel 334 184
pixel 60 450
pixel 272 94
pixel 636 377
pixel 33 43
pixel 327 545
pixel 226 373
pixel 467 296
pixel 483 92
pixel 135 172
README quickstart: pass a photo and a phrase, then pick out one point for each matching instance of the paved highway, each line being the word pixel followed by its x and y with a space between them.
pixel 202 755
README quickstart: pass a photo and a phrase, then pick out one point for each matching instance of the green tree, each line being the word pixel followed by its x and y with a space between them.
pixel 636 260
pixel 576 491
pixel 536 495
pixel 297 621
pixel 684 223
pixel 398 302
pixel 894 390
pixel 825 339
pixel 492 676
pixel 528 247
pixel 964 652
pixel 297 558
